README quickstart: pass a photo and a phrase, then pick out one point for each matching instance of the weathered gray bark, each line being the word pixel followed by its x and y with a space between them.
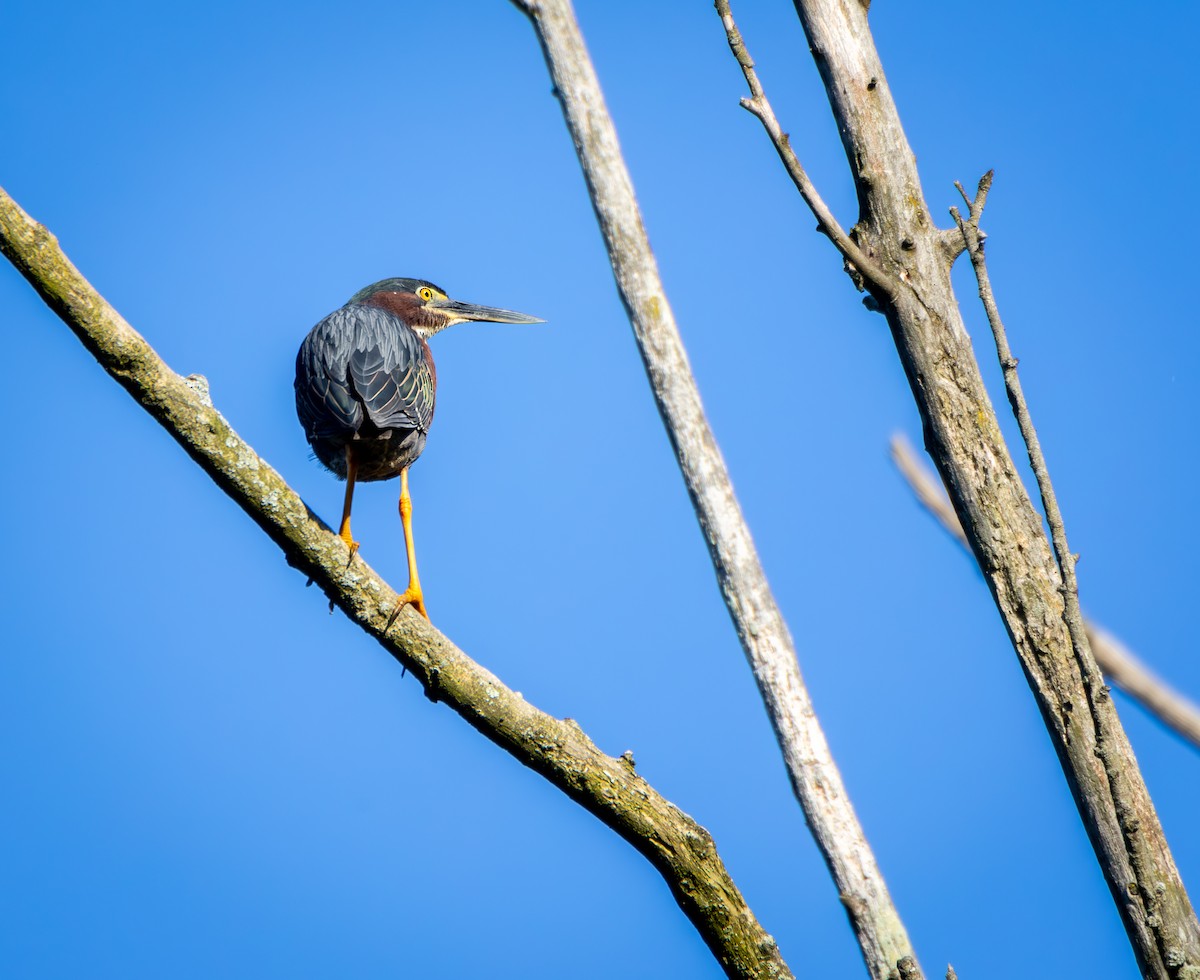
pixel 610 789
pixel 756 617
pixel 907 272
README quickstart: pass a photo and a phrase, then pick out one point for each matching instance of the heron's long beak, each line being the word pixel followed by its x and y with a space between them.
pixel 469 311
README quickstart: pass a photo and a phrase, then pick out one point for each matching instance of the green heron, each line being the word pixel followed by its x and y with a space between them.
pixel 365 387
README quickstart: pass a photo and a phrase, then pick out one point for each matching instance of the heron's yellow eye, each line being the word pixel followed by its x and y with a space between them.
pixel 425 293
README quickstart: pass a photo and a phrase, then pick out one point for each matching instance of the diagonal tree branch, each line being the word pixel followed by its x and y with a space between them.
pixel 756 617
pixel 1115 659
pixel 963 436
pixel 678 847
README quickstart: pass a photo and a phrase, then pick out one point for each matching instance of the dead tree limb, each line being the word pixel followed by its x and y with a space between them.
pixel 678 847
pixel 756 617
pixel 899 239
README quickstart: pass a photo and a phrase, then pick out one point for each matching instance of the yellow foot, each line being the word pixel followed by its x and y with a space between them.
pixel 411 596
pixel 350 542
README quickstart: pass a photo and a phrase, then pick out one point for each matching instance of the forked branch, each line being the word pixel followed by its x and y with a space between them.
pixel 1033 584
pixel 759 106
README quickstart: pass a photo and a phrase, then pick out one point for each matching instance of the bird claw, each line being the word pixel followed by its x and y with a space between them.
pixel 350 543
pixel 412 596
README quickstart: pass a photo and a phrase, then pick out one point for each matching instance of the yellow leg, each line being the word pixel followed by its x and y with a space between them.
pixel 351 476
pixel 412 595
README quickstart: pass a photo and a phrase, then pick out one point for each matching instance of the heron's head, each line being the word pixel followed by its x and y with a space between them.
pixel 427 309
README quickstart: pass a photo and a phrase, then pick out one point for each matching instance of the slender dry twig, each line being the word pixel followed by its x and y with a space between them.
pixel 759 106
pixel 963 436
pixel 760 626
pixel 681 850
pixel 1116 661
pixel 1016 397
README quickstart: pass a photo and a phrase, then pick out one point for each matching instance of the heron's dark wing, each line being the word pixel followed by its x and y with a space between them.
pixel 390 372
pixel 359 363
pixel 324 401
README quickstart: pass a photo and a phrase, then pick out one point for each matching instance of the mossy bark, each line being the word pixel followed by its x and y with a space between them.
pixel 609 788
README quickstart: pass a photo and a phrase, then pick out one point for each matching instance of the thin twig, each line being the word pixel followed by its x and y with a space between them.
pixel 969 227
pixel 1072 613
pixel 759 106
pixel 681 850
pixel 1117 662
pixel 760 626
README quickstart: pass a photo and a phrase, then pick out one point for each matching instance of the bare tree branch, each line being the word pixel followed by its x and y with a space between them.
pixel 760 626
pixel 1115 659
pixel 1016 397
pixel 760 106
pixel 1005 531
pixel 681 850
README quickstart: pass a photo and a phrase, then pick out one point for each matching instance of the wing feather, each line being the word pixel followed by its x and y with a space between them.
pixel 362 363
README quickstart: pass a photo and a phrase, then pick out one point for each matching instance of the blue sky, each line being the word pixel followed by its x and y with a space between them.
pixel 207 774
